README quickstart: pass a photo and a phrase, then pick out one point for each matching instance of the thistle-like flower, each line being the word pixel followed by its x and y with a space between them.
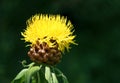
pixel 49 36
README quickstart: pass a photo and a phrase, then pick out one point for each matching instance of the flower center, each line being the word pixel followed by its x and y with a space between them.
pixel 42 53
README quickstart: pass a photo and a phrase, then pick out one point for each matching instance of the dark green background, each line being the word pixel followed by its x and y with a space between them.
pixel 97 25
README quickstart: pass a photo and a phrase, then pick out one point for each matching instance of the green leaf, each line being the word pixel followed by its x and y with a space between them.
pixel 29 65
pixel 54 78
pixel 20 76
pixel 31 71
pixel 34 80
pixel 64 78
pixel 48 76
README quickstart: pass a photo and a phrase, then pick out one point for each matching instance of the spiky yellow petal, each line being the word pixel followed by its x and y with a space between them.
pixel 47 27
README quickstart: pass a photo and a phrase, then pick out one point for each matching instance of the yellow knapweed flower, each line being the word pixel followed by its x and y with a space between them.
pixel 47 27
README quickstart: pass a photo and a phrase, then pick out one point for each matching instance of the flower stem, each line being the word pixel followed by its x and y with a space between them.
pixel 38 76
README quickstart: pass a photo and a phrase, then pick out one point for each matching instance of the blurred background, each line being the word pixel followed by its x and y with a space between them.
pixel 97 25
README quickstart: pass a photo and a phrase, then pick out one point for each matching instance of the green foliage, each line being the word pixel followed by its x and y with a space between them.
pixel 31 72
pixel 54 78
pixel 26 74
pixel 60 74
pixel 20 77
pixel 48 74
pixel 39 74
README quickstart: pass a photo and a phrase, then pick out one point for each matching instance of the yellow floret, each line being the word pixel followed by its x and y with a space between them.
pixel 47 27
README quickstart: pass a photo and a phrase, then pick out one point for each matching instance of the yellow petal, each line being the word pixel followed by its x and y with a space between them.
pixel 47 27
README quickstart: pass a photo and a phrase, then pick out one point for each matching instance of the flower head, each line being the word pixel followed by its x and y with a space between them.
pixel 50 29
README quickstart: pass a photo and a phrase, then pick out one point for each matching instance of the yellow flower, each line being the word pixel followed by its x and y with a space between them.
pixel 47 27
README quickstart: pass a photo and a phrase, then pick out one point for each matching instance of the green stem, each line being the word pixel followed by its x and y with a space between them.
pixel 38 76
